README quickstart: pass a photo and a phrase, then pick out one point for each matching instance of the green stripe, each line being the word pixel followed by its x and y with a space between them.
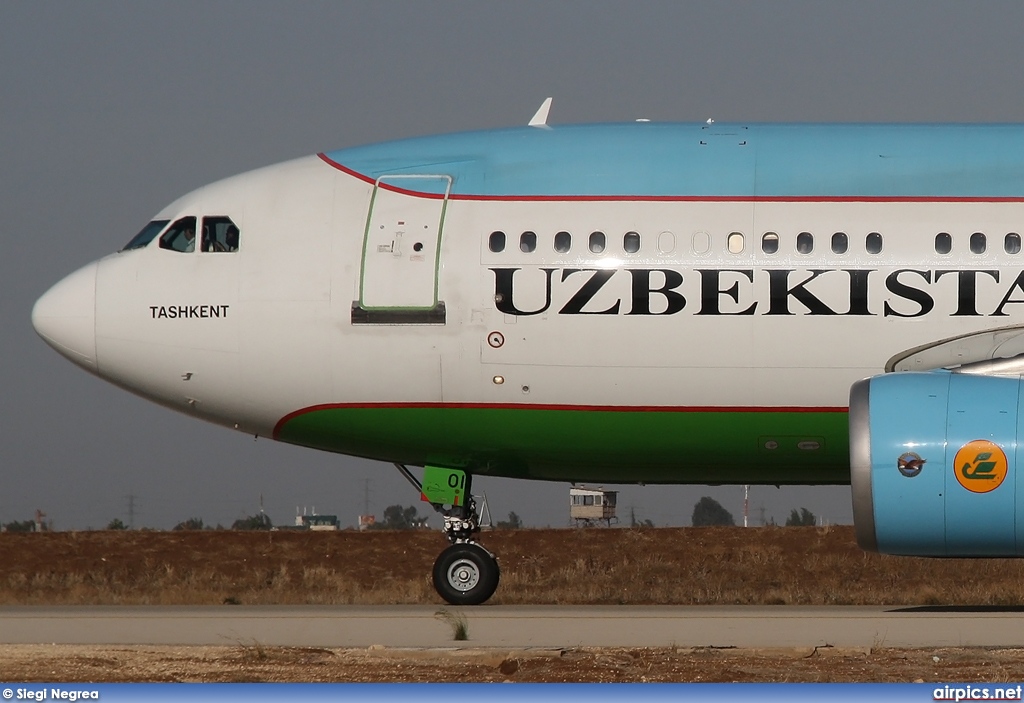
pixel 589 445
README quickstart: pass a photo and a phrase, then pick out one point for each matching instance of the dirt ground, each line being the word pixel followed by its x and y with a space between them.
pixel 71 663
pixel 692 566
pixel 212 664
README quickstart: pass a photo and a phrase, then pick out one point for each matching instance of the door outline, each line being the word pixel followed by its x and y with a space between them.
pixel 432 312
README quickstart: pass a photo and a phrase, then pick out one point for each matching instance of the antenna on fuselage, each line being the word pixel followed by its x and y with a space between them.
pixel 541 118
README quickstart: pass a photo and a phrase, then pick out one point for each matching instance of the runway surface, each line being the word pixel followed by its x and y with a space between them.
pixel 518 626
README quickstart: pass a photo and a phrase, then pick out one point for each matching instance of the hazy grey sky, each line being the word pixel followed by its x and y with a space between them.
pixel 110 110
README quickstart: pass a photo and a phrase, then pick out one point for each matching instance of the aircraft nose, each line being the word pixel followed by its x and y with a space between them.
pixel 65 317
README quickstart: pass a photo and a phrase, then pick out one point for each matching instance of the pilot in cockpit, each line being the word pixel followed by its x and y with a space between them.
pixel 231 239
pixel 190 239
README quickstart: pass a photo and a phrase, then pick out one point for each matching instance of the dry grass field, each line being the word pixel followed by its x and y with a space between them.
pixel 771 565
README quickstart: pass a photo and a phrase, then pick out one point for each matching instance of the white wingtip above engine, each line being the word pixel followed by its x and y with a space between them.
pixel 541 118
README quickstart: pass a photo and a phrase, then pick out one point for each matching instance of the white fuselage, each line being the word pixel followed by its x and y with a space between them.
pixel 683 307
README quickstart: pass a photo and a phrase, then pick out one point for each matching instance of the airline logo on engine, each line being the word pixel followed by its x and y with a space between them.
pixel 980 466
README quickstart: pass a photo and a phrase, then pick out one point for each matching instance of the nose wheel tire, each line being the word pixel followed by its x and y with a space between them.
pixel 466 574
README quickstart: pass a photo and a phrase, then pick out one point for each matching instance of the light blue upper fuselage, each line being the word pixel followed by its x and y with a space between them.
pixel 718 160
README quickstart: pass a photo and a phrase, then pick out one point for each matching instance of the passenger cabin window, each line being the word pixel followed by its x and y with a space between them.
pixel 666 242
pixel 943 243
pixel 873 243
pixel 496 242
pixel 146 235
pixel 805 243
pixel 978 244
pixel 528 242
pixel 563 242
pixel 1011 243
pixel 220 234
pixel 597 242
pixel 181 236
pixel 769 242
pixel 631 242
pixel 840 243
pixel 735 242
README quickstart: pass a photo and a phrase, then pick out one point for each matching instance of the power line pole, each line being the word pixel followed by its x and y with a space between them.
pixel 364 521
pixel 746 503
pixel 131 511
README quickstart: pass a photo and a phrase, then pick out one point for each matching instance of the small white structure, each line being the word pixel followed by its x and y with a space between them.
pixel 588 506
pixel 313 521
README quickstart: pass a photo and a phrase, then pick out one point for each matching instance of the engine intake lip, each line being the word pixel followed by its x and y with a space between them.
pixel 860 466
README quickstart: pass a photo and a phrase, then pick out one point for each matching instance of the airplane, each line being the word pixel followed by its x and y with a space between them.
pixel 637 302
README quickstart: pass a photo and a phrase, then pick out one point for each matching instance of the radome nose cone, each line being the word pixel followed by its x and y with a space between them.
pixel 65 317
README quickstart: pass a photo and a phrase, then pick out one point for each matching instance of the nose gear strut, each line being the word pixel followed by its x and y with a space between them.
pixel 465 573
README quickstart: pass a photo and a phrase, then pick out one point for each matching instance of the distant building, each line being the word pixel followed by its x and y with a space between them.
pixel 589 506
pixel 313 521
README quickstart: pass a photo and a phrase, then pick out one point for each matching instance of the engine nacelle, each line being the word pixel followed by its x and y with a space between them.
pixel 934 461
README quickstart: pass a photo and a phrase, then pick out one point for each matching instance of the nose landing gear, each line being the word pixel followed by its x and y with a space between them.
pixel 465 573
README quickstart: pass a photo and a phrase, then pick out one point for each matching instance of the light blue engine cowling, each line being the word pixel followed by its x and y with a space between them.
pixel 926 478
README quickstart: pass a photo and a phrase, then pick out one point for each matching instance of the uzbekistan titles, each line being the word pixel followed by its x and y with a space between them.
pixel 906 292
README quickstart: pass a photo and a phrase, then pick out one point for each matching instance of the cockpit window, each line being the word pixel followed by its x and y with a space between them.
pixel 220 234
pixel 181 236
pixel 146 235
